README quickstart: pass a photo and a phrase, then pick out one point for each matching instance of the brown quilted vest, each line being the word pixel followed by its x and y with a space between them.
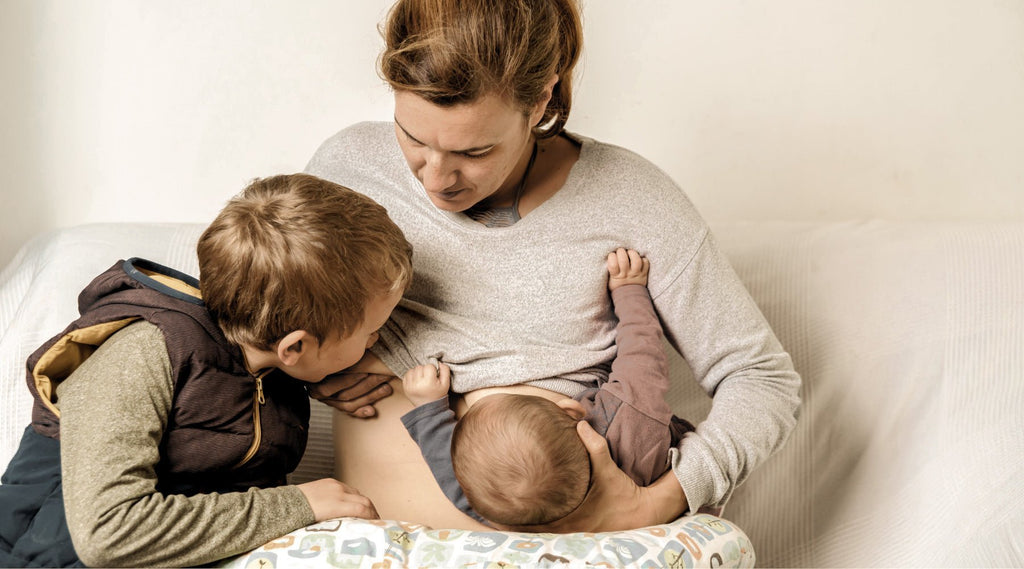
pixel 227 430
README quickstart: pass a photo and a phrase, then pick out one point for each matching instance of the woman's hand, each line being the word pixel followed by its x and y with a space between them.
pixel 355 390
pixel 615 502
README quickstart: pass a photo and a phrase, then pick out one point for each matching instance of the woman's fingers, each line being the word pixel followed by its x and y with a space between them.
pixel 353 393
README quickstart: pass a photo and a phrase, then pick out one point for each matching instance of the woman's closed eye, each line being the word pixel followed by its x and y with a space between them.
pixel 476 154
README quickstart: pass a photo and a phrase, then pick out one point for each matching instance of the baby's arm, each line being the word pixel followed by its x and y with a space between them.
pixel 639 430
pixel 431 425
pixel 639 373
pixel 114 409
pixel 425 383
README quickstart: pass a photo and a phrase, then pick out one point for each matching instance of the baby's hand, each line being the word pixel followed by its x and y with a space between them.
pixel 626 267
pixel 425 383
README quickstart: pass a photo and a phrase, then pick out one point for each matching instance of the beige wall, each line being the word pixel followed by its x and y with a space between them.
pixel 116 110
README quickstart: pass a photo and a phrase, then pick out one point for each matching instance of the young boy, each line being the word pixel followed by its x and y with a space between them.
pixel 167 416
pixel 518 458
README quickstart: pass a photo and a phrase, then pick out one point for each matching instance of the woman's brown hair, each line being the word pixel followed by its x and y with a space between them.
pixel 452 52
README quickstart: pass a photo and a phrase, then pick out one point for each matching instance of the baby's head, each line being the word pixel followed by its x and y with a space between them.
pixel 519 460
pixel 296 252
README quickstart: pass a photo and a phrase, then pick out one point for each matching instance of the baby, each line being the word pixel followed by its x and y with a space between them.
pixel 516 461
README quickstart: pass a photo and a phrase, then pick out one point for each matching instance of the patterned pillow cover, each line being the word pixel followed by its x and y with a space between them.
pixel 700 540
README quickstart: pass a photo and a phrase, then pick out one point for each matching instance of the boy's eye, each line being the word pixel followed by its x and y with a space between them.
pixel 476 154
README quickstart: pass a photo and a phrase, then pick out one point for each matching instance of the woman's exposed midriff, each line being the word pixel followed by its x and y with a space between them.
pixel 378 457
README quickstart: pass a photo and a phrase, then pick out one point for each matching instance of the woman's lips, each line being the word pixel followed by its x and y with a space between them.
pixel 449 195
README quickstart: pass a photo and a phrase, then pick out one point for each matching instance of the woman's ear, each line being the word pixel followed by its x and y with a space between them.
pixel 542 105
pixel 573 408
pixel 293 345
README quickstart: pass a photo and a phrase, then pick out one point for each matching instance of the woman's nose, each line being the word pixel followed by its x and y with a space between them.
pixel 437 174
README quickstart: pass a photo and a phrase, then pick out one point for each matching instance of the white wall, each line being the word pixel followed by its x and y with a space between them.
pixel 117 110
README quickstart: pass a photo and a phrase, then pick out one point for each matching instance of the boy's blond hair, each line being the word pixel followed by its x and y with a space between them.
pixel 296 252
pixel 519 460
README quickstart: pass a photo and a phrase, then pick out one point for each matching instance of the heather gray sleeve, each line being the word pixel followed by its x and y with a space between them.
pixel 114 410
pixel 710 317
pixel 431 426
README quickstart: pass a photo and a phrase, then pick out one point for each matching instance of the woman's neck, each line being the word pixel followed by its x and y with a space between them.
pixel 555 159
pixel 517 182
pixel 540 180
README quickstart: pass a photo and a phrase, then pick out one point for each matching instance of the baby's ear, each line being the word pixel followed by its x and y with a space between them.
pixel 572 407
pixel 293 345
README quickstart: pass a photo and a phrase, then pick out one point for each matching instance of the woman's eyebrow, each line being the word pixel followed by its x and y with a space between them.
pixel 411 137
pixel 463 151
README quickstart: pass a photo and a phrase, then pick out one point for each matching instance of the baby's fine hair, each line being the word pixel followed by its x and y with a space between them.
pixel 451 52
pixel 296 252
pixel 520 460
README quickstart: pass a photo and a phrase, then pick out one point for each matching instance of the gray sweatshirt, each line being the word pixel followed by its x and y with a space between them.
pixel 528 303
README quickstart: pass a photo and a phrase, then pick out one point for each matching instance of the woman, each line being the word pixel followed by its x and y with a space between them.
pixel 510 216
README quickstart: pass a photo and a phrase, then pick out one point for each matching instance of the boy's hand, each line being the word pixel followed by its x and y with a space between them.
pixel 626 267
pixel 330 498
pixel 426 383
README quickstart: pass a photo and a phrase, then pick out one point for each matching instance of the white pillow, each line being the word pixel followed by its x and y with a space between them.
pixel 691 541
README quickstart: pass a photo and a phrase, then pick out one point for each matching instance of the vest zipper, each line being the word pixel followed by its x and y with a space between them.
pixel 257 401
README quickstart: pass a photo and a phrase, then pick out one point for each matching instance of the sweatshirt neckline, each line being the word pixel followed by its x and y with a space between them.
pixel 463 221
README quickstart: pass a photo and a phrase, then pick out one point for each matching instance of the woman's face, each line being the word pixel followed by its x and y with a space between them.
pixel 466 153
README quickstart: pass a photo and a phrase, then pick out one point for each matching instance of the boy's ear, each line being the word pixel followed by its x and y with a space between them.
pixel 573 408
pixel 293 345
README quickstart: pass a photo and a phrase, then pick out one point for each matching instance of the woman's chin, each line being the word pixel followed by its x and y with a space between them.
pixel 454 204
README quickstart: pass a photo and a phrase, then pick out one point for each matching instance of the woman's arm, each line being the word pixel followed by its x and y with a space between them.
pixel 355 390
pixel 710 317
pixel 114 409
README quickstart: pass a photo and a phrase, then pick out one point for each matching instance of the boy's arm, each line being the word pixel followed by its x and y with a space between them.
pixel 114 409
pixel 431 426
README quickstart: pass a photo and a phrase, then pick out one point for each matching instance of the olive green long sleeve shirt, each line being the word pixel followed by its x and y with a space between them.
pixel 114 409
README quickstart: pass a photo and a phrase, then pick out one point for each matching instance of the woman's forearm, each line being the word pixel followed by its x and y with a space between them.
pixel 667 499
pixel 371 364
